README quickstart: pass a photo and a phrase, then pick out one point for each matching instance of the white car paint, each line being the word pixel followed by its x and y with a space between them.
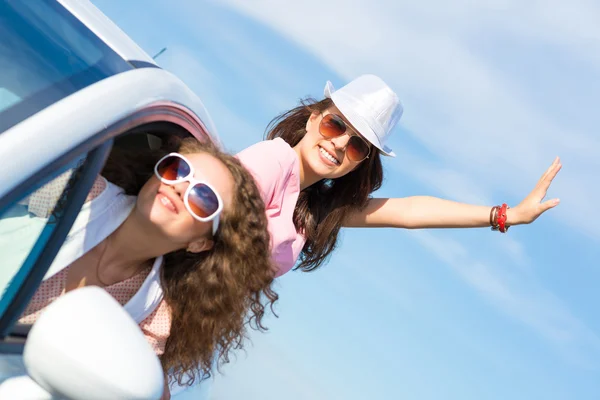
pixel 62 357
pixel 106 30
pixel 74 119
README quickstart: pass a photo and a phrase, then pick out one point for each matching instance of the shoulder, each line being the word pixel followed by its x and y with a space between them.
pixel 267 154
pixel 269 161
pixel 272 163
pixel 269 145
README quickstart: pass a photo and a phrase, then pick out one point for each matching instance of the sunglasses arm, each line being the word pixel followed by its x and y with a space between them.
pixel 215 225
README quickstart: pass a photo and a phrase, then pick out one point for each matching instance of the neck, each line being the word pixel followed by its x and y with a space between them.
pixel 132 245
pixel 306 177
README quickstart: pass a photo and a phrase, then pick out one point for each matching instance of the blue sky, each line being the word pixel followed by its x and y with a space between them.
pixel 493 91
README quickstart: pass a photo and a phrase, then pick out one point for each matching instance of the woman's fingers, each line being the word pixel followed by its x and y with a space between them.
pixel 546 179
pixel 548 204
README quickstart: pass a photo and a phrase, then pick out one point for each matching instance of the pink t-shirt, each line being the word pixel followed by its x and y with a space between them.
pixel 276 168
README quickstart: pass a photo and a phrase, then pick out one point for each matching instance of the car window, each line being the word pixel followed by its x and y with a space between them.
pixel 27 225
pixel 7 98
pixel 46 54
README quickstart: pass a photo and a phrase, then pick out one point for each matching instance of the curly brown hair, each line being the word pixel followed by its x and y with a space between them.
pixel 323 207
pixel 214 295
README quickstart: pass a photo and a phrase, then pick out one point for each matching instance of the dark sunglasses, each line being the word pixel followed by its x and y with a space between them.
pixel 333 126
pixel 201 200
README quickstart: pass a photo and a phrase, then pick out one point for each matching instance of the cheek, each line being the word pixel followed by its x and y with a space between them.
pixel 314 133
pixel 310 137
pixel 150 188
pixel 146 197
pixel 150 209
pixel 181 228
pixel 344 169
pixel 195 230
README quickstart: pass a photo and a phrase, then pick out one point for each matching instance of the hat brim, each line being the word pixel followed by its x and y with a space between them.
pixel 359 123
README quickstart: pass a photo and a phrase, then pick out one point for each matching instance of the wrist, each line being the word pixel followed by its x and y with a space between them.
pixel 502 217
pixel 513 217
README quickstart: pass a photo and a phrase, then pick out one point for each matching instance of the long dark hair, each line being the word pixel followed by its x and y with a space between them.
pixel 214 295
pixel 323 207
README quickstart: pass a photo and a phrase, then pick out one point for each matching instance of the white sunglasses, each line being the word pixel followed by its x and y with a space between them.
pixel 201 200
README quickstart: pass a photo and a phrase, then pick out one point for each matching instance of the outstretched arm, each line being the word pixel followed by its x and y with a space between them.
pixel 430 212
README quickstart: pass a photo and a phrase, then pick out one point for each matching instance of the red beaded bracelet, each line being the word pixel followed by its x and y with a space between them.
pixel 494 217
pixel 498 218
pixel 502 218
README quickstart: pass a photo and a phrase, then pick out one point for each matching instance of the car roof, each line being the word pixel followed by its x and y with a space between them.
pixel 106 30
pixel 44 137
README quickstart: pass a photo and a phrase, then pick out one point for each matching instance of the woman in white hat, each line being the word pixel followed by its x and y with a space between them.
pixel 322 162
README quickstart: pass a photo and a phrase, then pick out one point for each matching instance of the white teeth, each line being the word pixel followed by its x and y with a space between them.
pixel 328 156
pixel 166 202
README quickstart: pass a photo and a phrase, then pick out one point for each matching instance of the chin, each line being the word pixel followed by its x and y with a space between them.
pixel 320 170
pixel 169 229
pixel 156 215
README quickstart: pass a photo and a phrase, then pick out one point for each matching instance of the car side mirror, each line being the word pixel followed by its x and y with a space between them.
pixel 85 346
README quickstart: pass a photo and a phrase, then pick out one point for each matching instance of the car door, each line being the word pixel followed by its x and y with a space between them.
pixel 46 55
pixel 65 100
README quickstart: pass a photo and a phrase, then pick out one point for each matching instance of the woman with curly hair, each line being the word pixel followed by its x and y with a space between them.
pixel 190 238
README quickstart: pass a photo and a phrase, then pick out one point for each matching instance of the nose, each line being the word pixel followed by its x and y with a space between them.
pixel 180 188
pixel 340 142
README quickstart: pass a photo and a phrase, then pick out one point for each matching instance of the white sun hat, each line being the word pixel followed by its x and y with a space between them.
pixel 370 106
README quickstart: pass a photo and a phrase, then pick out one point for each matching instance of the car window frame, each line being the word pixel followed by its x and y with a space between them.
pixel 75 199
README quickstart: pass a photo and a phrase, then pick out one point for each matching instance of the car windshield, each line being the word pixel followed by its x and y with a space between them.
pixel 46 54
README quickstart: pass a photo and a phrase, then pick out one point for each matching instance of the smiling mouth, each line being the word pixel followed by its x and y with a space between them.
pixel 328 156
pixel 165 201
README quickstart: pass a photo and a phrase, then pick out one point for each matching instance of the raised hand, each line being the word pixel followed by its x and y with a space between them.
pixel 533 205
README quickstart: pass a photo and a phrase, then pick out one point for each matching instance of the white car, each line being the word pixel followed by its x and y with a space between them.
pixel 72 86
